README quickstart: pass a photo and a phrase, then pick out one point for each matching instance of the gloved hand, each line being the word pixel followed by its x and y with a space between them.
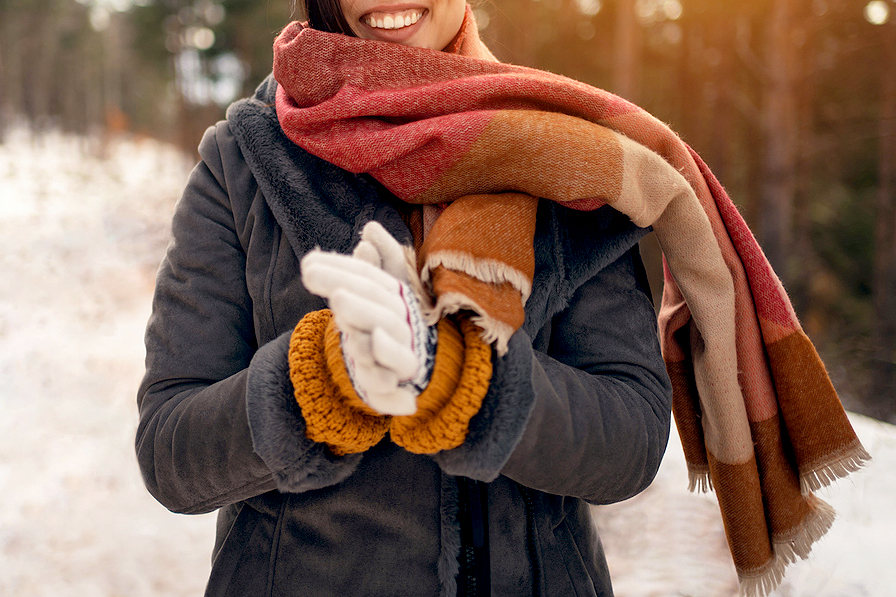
pixel 389 349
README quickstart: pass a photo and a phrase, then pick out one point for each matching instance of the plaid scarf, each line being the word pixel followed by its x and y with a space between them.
pixel 759 419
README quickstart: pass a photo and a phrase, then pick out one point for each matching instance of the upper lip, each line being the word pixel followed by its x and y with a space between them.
pixel 393 8
pixel 382 11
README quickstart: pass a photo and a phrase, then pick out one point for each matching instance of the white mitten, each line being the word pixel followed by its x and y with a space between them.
pixel 389 349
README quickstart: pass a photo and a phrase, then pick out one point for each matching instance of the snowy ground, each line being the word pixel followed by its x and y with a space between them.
pixel 81 237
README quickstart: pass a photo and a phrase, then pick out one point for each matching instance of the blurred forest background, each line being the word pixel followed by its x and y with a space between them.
pixel 792 103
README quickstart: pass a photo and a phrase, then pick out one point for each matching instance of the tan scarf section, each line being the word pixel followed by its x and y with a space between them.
pixel 759 419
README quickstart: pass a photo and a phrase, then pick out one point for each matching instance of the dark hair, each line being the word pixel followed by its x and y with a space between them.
pixel 326 15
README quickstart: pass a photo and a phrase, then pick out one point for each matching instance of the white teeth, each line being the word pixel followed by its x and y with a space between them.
pixel 393 21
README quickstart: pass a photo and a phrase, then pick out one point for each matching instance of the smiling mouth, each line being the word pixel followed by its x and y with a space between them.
pixel 392 20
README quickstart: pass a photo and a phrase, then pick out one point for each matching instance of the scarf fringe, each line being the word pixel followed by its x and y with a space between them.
pixel 699 480
pixel 493 332
pixel 849 461
pixel 490 271
pixel 787 549
pixel 762 582
pixel 798 544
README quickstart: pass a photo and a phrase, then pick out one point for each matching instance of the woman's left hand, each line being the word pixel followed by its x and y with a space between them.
pixel 388 347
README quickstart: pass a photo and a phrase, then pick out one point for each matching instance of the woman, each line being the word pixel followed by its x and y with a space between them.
pixel 577 411
pixel 369 425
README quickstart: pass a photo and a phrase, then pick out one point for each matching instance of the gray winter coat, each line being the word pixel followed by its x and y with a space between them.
pixel 577 412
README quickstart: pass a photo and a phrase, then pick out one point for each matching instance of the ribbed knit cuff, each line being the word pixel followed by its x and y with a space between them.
pixel 460 380
pixel 334 413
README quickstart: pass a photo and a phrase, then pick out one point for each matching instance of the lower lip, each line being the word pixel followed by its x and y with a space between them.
pixel 394 35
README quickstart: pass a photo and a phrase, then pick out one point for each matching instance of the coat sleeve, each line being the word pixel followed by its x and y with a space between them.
pixel 206 380
pixel 588 413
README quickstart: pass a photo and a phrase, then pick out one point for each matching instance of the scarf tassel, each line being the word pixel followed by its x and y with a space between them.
pixel 786 550
pixel 852 460
pixel 699 480
pixel 490 271
pixel 492 331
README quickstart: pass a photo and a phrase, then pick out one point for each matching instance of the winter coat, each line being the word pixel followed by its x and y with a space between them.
pixel 577 412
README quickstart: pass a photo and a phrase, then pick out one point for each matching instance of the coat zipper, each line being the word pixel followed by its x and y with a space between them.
pixel 474 578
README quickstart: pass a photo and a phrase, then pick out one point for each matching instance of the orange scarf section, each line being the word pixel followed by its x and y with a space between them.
pixel 759 419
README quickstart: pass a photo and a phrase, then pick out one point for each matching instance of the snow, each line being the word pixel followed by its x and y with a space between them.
pixel 83 224
pixel 81 237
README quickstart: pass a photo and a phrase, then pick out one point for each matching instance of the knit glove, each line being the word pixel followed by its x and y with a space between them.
pixel 388 348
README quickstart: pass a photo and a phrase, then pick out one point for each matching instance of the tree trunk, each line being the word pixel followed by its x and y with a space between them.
pixel 780 130
pixel 882 397
pixel 627 67
pixel 807 163
pixel 723 69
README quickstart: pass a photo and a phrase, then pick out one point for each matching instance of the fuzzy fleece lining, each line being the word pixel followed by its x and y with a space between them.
pixel 278 429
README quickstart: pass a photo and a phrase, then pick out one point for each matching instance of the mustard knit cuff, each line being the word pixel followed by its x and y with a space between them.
pixel 460 380
pixel 334 413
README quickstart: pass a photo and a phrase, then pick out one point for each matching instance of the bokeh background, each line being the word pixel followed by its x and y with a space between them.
pixel 792 103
